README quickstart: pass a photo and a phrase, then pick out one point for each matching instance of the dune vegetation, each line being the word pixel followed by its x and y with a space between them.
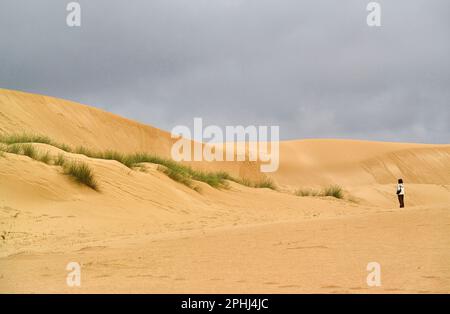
pixel 264 182
pixel 334 191
pixel 307 192
pixel 331 190
pixel 81 172
pixel 22 144
pixel 59 160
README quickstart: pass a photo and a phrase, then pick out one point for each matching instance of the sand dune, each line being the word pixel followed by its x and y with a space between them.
pixel 350 162
pixel 144 232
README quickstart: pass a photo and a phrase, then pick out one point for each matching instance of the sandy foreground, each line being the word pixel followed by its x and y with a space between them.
pixel 145 233
pixel 320 255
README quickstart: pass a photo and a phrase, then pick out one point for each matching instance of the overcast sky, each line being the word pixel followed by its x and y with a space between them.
pixel 312 67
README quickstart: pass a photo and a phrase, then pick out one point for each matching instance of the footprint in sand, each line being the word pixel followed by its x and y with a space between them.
pixel 331 287
pixel 356 288
pixel 271 283
pixel 139 276
pixel 92 248
pixel 289 286
pixel 307 247
pixel 430 277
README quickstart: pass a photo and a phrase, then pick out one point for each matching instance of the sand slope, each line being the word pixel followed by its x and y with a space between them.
pixel 143 232
pixel 69 122
pixel 350 162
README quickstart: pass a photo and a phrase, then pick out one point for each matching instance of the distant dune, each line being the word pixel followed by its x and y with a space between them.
pixel 144 232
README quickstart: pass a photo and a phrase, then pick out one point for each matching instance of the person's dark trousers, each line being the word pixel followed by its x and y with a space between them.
pixel 401 199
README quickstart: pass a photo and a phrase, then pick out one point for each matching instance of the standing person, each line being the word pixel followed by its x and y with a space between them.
pixel 401 193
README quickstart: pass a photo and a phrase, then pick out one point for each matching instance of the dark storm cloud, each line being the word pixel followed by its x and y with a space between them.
pixel 313 67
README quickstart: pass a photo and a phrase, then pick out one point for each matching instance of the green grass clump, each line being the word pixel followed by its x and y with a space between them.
pixel 59 160
pixel 45 158
pixel 3 149
pixel 307 192
pixel 81 172
pixel 265 183
pixel 174 170
pixel 214 179
pixel 14 149
pixel 64 147
pixel 334 191
pixel 137 158
pixel 112 155
pixel 24 138
pixel 29 150
pixel 176 176
pixel 31 138
pixel 246 182
pixel 83 151
pixel 127 160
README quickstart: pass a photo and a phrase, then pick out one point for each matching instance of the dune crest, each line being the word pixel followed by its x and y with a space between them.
pixel 78 125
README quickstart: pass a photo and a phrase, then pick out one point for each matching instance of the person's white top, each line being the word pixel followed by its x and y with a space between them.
pixel 401 188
